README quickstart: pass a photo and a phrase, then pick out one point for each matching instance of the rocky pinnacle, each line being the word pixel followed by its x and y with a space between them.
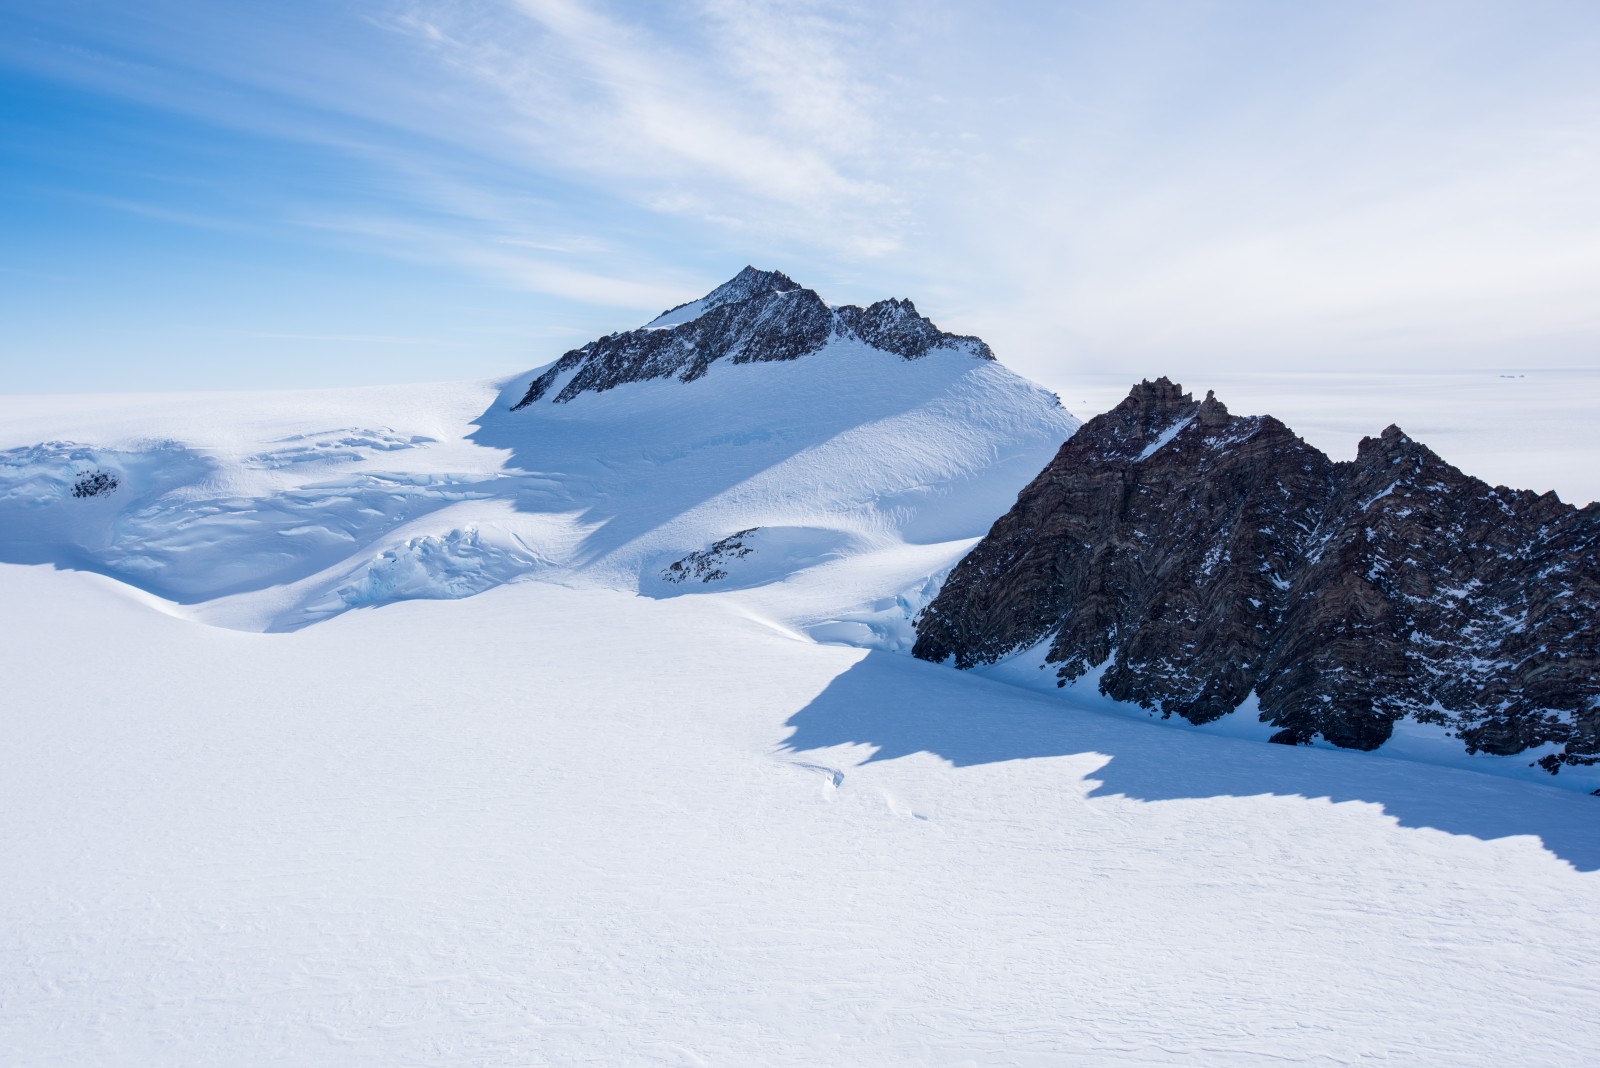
pixel 1200 557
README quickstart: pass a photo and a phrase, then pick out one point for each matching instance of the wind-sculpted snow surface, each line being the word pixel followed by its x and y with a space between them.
pixel 458 564
pixel 555 826
pixel 179 525
pixel 1199 562
pixel 352 445
pixel 47 515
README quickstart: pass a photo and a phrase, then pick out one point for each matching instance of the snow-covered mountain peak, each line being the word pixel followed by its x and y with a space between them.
pixel 750 282
pixel 883 452
pixel 755 317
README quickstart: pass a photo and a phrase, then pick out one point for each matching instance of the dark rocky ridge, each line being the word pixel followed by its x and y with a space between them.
pixel 755 316
pixel 1202 556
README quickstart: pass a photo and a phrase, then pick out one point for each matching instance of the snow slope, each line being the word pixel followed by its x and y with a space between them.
pixel 563 826
pixel 856 478
pixel 274 512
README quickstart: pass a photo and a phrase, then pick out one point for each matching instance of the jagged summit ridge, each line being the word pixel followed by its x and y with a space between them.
pixel 755 316
pixel 750 282
pixel 1197 558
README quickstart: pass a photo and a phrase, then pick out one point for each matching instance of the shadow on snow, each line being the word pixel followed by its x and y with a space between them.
pixel 903 706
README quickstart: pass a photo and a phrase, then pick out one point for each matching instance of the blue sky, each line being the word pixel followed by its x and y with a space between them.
pixel 217 195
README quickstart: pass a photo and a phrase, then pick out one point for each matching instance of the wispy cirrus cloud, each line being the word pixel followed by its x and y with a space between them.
pixel 747 115
pixel 1086 184
pixel 529 265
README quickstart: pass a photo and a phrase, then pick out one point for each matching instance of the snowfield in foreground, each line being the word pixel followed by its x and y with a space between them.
pixel 557 826
pixel 392 727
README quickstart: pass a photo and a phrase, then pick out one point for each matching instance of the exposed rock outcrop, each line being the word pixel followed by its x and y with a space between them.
pixel 755 316
pixel 706 564
pixel 1200 556
pixel 95 484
